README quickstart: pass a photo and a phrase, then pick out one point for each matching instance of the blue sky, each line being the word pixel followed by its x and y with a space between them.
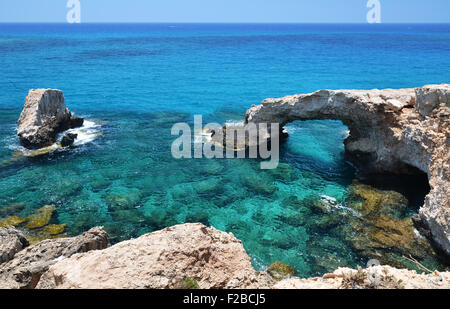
pixel 307 11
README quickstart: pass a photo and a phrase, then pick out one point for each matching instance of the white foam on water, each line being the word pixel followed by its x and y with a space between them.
pixel 86 133
pixel 328 198
pixel 335 205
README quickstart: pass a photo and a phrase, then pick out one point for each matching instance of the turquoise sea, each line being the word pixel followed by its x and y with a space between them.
pixel 134 81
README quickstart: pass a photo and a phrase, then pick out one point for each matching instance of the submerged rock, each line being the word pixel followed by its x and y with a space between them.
pixel 40 217
pixel 43 117
pixel 261 184
pixel 51 231
pixel 380 232
pixel 11 221
pixel 11 209
pixel 284 172
pixel 27 266
pixel 368 200
pixel 279 270
pixel 121 197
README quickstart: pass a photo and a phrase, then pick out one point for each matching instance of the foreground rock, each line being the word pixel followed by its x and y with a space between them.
pixel 188 254
pixel 391 131
pixel 378 277
pixel 11 242
pixel 24 270
pixel 43 117
pixel 68 139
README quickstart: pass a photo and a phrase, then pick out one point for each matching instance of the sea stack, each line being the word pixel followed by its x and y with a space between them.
pixel 43 117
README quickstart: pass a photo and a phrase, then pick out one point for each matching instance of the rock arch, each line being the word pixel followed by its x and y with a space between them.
pixel 391 131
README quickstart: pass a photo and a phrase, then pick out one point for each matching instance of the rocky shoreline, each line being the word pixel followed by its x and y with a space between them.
pixel 44 116
pixel 183 256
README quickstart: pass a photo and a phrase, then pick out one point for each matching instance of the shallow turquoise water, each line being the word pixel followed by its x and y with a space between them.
pixel 136 81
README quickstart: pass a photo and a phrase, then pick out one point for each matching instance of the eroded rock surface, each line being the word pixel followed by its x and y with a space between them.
pixel 27 265
pixel 11 242
pixel 162 259
pixel 391 131
pixel 43 117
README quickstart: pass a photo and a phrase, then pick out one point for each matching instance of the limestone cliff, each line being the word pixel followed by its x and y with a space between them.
pixel 391 131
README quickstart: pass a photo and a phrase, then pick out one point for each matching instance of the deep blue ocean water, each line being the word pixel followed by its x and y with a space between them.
pixel 137 80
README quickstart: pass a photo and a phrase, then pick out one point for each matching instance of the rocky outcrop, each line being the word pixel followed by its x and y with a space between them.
pixel 171 258
pixel 391 131
pixel 377 277
pixel 11 242
pixel 43 117
pixel 430 97
pixel 36 227
pixel 26 267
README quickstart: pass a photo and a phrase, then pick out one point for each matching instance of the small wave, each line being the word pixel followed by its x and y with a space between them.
pixel 86 134
pixel 345 133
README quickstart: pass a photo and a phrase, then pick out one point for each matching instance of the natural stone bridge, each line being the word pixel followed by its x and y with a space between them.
pixel 391 131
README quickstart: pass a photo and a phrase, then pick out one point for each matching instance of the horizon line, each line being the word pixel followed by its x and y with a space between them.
pixel 232 22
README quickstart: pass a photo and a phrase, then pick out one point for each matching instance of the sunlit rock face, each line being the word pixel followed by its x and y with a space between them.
pixel 170 258
pixel 25 268
pixel 401 131
pixel 43 117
